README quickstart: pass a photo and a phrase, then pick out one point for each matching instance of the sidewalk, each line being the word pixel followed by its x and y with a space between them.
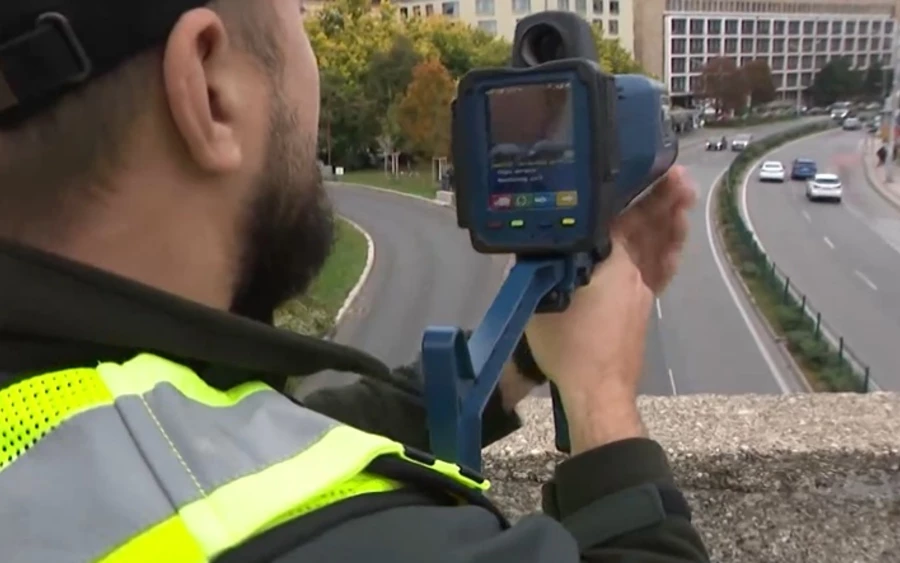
pixel 875 175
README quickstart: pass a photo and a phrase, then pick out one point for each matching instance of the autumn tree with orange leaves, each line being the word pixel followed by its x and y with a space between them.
pixel 424 111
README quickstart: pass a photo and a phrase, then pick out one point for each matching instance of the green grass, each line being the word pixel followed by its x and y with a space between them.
pixel 419 184
pixel 314 312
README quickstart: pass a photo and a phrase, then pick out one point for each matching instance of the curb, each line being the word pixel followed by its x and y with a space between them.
pixel 873 182
pixel 360 283
pixel 393 192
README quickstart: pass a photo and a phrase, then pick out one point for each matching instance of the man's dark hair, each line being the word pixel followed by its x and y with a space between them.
pixel 50 164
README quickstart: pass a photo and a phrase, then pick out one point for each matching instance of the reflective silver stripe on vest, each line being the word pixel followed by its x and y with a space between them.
pixel 113 472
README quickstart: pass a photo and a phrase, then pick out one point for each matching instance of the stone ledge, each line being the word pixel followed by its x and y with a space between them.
pixel 794 478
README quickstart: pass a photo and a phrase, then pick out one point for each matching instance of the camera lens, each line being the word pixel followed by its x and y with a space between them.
pixel 542 43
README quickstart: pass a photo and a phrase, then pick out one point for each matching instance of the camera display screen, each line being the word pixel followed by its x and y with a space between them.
pixel 532 155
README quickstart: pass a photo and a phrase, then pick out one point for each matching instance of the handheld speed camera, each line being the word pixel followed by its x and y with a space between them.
pixel 545 154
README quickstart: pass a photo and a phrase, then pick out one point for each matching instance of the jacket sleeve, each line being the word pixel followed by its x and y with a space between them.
pixel 620 502
pixel 398 411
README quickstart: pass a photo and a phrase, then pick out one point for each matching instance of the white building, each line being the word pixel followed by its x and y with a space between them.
pixel 795 45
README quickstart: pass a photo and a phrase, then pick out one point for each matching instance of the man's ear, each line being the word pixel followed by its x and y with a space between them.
pixel 202 88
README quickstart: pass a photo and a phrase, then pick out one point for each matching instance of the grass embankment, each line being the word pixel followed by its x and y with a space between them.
pixel 314 312
pixel 417 183
pixel 826 368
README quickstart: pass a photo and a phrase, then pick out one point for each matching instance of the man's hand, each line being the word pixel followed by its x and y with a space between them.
pixel 594 350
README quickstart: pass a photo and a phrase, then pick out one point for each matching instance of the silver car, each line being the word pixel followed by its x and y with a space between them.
pixel 741 142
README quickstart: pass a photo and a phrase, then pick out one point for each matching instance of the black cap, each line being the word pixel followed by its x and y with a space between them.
pixel 51 47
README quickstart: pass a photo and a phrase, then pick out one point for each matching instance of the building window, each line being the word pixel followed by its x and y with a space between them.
pixel 521 6
pixel 598 6
pixel 887 44
pixel 746 60
pixel 778 27
pixel 696 45
pixel 678 65
pixel 678 84
pixel 792 80
pixel 746 45
pixel 613 27
pixel 562 5
pixel 778 45
pixel 679 46
pixel 809 27
pixel 793 46
pixel 837 27
pixel 696 27
pixel 849 44
pixel 793 62
pixel 581 7
pixel 714 27
pixel 889 27
pixel 763 27
pixel 489 26
pixel 778 63
pixel 484 7
pixel 696 64
pixel 417 11
pixel 714 45
pixel 821 60
pixel 876 27
pixel 695 84
pixel 450 9
pixel 762 45
pixel 731 45
pixel 806 79
pixel 863 43
pixel 806 62
pixel 778 79
pixel 807 44
pixel 747 27
pixel 731 27
pixel 851 28
pixel 614 7
pixel 599 24
pixel 429 9
pixel 404 12
pixel 679 26
pixel 835 44
pixel 822 28
pixel 793 28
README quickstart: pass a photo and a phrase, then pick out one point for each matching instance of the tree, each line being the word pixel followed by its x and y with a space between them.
pixel 722 82
pixel 834 82
pixel 760 83
pixel 612 56
pixel 876 80
pixel 424 112
pixel 460 47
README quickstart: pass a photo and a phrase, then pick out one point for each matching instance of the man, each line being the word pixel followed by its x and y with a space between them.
pixel 158 199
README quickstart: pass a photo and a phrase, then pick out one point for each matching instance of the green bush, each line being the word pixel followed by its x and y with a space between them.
pixel 748 121
pixel 819 360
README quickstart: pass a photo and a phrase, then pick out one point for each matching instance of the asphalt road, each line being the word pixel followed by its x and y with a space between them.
pixel 426 273
pixel 845 257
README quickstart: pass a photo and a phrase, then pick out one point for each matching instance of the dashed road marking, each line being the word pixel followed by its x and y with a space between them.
pixel 866 280
pixel 829 243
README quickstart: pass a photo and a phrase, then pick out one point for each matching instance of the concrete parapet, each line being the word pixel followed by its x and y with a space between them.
pixel 795 478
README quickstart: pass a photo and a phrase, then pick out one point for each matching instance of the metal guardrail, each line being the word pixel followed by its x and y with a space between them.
pixel 805 332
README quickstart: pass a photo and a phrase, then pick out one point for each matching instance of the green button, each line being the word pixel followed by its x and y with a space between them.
pixel 517 223
pixel 568 222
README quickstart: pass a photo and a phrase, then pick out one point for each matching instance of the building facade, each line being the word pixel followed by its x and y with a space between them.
pixel 499 17
pixel 676 38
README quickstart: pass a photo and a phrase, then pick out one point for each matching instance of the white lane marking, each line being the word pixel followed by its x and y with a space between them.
pixel 866 280
pixel 829 243
pixel 757 339
pixel 658 309
pixel 363 277
pixel 672 382
pixel 807 217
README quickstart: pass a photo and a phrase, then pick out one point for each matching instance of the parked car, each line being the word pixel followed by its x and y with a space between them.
pixel 803 169
pixel 824 187
pixel 771 171
pixel 851 124
pixel 716 144
pixel 741 142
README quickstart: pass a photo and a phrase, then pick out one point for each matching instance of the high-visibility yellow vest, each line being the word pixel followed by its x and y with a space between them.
pixel 144 462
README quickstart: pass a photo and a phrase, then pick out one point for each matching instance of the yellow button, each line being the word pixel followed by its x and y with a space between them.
pixel 568 222
pixel 566 199
pixel 517 223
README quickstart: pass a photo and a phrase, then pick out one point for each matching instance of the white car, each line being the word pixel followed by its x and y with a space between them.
pixel 741 142
pixel 771 171
pixel 852 124
pixel 824 187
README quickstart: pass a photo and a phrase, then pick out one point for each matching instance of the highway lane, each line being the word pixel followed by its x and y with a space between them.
pixel 426 273
pixel 844 257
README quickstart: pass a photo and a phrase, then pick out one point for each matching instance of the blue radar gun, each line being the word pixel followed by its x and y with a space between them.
pixel 546 154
